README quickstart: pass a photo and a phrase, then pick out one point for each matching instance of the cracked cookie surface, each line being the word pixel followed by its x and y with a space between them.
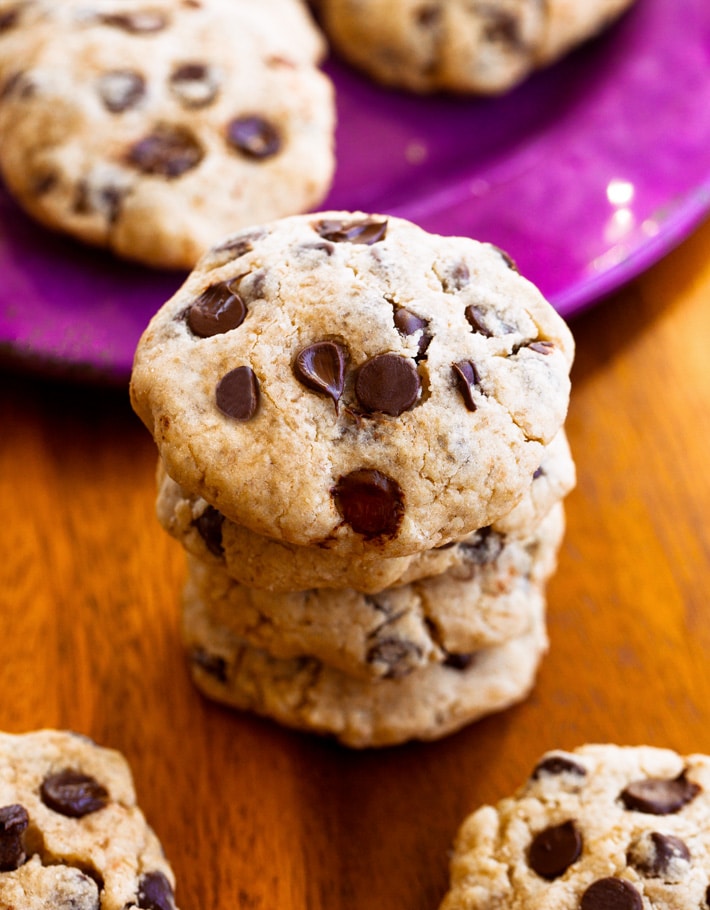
pixel 350 381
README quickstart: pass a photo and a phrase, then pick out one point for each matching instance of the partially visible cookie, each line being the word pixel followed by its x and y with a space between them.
pixel 155 128
pixel 260 562
pixel 603 827
pixel 399 630
pixel 475 46
pixel 71 834
pixel 352 382
pixel 307 694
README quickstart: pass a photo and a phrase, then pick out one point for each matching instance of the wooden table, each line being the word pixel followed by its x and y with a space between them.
pixel 255 816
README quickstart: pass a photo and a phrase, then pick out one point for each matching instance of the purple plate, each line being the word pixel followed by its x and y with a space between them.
pixel 586 174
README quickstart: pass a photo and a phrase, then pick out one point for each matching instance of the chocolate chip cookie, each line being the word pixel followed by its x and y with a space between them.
pixel 154 128
pixel 351 382
pixel 475 46
pixel 71 834
pixel 597 828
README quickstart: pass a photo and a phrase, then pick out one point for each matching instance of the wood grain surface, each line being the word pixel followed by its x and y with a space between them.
pixel 255 816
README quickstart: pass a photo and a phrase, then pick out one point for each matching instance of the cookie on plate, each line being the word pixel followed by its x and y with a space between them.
pixel 399 630
pixel 71 834
pixel 261 562
pixel 475 46
pixel 153 129
pixel 352 382
pixel 601 827
pixel 305 693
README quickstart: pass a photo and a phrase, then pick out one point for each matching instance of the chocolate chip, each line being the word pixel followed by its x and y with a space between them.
pixel 139 22
pixel 388 383
pixel 212 664
pixel 538 472
pixel 455 277
pixel 239 245
pixel 507 258
pixel 408 323
pixel 659 797
pixel 169 151
pixel 367 231
pixel 460 661
pixel 194 84
pixel 155 892
pixel 474 315
pixel 237 393
pixel 503 28
pixel 370 502
pixel 542 347
pixel 9 18
pixel 611 894
pixel 557 764
pixel 209 526
pixel 104 200
pixel 217 310
pixel 121 90
pixel 467 380
pixel 655 855
pixel 483 547
pixel 253 136
pixel 321 367
pixel 396 654
pixel 553 850
pixel 13 822
pixel 73 793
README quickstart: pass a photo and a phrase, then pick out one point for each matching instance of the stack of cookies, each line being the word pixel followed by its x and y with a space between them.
pixel 362 450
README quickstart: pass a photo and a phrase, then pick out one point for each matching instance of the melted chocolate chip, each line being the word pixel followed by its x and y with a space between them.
pixel 388 383
pixel 655 856
pixel 253 136
pixel 370 502
pixel 217 310
pixel 73 793
pixel 9 18
pixel 239 245
pixel 209 527
pixel 13 822
pixel 455 278
pixel 553 850
pixel 611 894
pixel 557 764
pixel 656 796
pixel 538 472
pixel 104 200
pixel 507 259
pixel 155 892
pixel 194 84
pixel 212 664
pixel 467 380
pixel 321 367
pixel 503 28
pixel 408 323
pixel 169 151
pixel 367 231
pixel 237 393
pixel 460 661
pixel 121 90
pixel 542 347
pixel 139 22
pixel 396 654
pixel 484 547
pixel 474 315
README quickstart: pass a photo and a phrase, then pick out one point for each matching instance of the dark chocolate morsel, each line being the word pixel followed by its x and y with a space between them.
pixel 408 323
pixel 467 380
pixel 239 245
pixel 557 764
pixel 553 850
pixel 73 793
pixel 474 315
pixel 169 151
pixel 195 84
pixel 657 796
pixel 155 892
pixel 611 894
pixel 121 90
pixel 138 22
pixel 506 257
pixel 218 309
pixel 484 547
pixel 321 367
pixel 237 393
pixel 370 502
pixel 538 472
pixel 209 527
pixel 253 136
pixel 388 383
pixel 212 664
pixel 542 347
pixel 460 661
pixel 13 822
pixel 367 231
pixel 656 862
pixel 396 654
pixel 9 18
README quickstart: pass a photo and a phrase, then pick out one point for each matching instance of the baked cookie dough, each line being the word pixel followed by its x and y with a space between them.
pixel 603 827
pixel 307 694
pixel 71 834
pixel 259 562
pixel 471 46
pixel 351 382
pixel 399 630
pixel 155 128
